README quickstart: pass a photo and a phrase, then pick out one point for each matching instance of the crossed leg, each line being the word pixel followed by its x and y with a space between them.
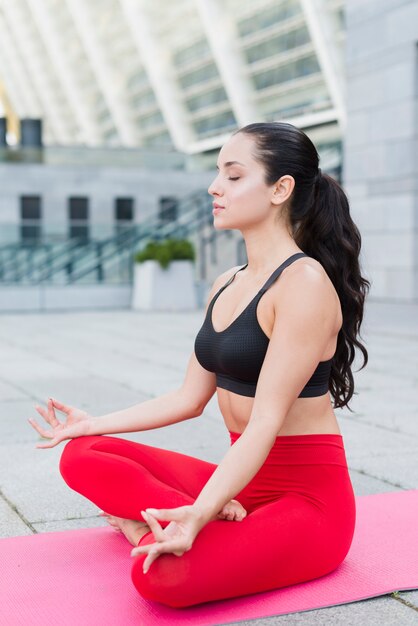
pixel 124 477
pixel 287 541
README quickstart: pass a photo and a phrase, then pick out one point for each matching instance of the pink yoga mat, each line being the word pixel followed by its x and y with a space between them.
pixel 83 576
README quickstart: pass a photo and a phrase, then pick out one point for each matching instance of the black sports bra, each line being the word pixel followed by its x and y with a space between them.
pixel 236 354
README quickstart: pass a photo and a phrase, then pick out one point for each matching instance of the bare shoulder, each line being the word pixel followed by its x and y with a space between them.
pixel 305 283
pixel 306 268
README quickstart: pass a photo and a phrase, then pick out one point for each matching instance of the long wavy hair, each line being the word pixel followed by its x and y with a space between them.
pixel 319 215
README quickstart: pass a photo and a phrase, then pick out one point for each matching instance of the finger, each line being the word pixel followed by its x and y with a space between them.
pixel 46 414
pixel 151 557
pixel 42 412
pixel 155 527
pixel 180 545
pixel 51 414
pixel 65 408
pixel 39 429
pixel 167 514
pixel 48 445
pixel 144 549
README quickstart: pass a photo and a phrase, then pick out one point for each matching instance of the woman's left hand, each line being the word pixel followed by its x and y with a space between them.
pixel 177 537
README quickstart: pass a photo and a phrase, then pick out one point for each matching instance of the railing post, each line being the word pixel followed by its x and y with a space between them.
pixel 99 261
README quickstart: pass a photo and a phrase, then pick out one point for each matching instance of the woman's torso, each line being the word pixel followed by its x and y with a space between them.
pixel 307 415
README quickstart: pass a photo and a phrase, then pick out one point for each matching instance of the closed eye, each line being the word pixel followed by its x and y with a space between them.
pixel 236 178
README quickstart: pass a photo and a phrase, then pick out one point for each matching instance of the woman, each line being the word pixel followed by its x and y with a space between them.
pixel 274 350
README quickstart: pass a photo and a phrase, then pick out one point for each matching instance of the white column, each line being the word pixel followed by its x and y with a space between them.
pixel 108 76
pixel 64 70
pixel 155 58
pixel 329 56
pixel 15 77
pixel 18 25
pixel 220 30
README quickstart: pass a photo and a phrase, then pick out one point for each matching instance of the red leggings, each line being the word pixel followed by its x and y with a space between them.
pixel 300 522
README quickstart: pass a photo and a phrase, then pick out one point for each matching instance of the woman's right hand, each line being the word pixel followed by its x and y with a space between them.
pixel 76 424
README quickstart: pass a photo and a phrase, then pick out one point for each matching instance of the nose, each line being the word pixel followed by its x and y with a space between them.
pixel 213 188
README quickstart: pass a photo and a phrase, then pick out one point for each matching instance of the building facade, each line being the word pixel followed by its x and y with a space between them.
pixel 181 74
pixel 381 141
pixel 176 78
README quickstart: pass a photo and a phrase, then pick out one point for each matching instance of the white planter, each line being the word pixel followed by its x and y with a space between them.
pixel 170 289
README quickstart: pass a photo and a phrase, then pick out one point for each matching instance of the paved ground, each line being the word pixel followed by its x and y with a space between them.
pixel 103 361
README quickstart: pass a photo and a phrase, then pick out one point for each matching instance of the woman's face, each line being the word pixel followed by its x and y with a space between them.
pixel 239 187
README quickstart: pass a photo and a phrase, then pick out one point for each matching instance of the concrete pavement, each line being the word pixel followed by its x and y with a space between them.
pixel 108 360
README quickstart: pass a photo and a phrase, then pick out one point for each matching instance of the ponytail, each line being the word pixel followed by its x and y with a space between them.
pixel 319 215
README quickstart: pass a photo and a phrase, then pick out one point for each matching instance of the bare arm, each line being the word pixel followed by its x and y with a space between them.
pixel 169 408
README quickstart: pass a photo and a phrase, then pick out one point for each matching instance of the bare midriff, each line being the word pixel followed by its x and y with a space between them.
pixel 307 415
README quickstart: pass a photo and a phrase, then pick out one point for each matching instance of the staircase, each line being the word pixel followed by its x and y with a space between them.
pixel 108 261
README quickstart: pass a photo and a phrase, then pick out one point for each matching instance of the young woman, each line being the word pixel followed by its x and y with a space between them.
pixel 276 344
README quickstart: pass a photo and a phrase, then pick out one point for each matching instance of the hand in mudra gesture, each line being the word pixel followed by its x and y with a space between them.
pixel 75 425
pixel 177 537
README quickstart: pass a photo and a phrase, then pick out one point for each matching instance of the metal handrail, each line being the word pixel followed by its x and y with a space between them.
pixel 192 221
pixel 67 256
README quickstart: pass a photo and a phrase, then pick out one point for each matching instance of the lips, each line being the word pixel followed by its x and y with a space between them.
pixel 217 206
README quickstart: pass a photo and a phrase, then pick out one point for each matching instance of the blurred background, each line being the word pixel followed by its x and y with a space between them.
pixel 112 114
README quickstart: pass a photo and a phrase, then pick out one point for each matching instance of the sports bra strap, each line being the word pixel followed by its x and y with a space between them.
pixel 272 278
pixel 280 269
pixel 233 276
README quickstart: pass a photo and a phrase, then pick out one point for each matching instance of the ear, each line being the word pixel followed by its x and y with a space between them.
pixel 282 189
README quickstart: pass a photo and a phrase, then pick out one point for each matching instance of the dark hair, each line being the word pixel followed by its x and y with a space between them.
pixel 319 215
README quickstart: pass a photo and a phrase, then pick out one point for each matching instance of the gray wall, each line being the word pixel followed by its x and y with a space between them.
pixel 56 183
pixel 380 151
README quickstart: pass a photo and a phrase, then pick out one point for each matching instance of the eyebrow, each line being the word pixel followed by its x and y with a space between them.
pixel 228 163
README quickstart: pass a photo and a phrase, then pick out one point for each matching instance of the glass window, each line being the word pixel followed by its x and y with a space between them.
pixel 168 206
pixel 278 44
pixel 144 99
pixel 30 214
pixel 30 234
pixel 206 99
pixel 215 122
pixel 80 232
pixel 153 119
pixel 138 79
pixel 78 211
pixel 78 208
pixel 124 209
pixel 199 76
pixel 185 55
pixel 30 207
pixel 284 73
pixel 263 19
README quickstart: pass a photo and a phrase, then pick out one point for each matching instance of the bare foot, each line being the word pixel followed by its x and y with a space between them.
pixel 233 510
pixel 132 529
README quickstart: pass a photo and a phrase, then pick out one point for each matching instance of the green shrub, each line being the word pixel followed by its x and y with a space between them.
pixel 166 251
